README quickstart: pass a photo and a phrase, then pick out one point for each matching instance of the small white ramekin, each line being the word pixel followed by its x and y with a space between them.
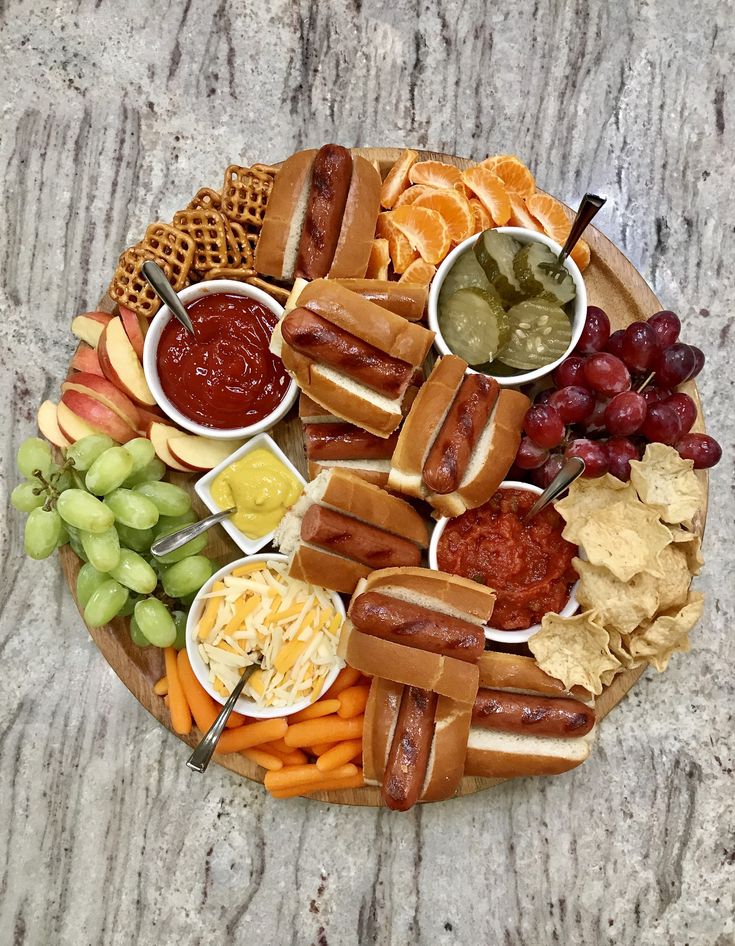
pixel 150 365
pixel 495 633
pixel 203 489
pixel 245 705
pixel 522 236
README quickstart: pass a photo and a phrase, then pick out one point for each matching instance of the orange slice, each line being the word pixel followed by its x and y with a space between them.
pixel 419 273
pixel 482 219
pixel 486 185
pixel 425 230
pixel 413 193
pixel 435 173
pixel 377 267
pixel 512 172
pixel 519 215
pixel 402 254
pixel 396 180
pixel 454 208
pixel 551 215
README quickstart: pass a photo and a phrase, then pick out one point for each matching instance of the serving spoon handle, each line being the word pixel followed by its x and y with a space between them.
pixel 201 756
pixel 572 469
pixel 169 543
pixel 588 208
pixel 165 292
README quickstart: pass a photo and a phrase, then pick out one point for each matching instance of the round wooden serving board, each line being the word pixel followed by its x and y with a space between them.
pixel 612 283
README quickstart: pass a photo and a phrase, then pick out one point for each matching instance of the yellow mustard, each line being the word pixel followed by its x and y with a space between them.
pixel 261 487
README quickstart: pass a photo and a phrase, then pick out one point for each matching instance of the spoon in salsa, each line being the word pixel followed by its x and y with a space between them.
pixel 572 469
pixel 165 292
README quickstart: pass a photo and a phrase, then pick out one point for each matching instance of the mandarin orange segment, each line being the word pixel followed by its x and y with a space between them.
pixel 486 185
pixel 519 215
pixel 412 194
pixel 426 231
pixel 512 172
pixel 379 260
pixel 435 173
pixel 453 207
pixel 581 254
pixel 551 215
pixel 482 219
pixel 402 254
pixel 419 273
pixel 396 180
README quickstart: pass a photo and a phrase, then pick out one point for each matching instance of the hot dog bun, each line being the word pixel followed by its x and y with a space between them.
pixel 492 754
pixel 516 674
pixel 358 222
pixel 278 245
pixel 402 298
pixel 372 471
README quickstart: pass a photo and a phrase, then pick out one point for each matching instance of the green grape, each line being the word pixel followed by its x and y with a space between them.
pixel 185 577
pixel 155 470
pixel 142 452
pixel 180 619
pixel 75 543
pixel 103 548
pixel 108 471
pixel 105 602
pixel 188 600
pixel 64 481
pixel 24 499
pixel 127 609
pixel 77 481
pixel 136 635
pixel 132 509
pixel 154 622
pixel 63 535
pixel 168 524
pixel 43 528
pixel 137 539
pixel 79 509
pixel 34 454
pixel 88 581
pixel 192 547
pixel 134 572
pixel 85 451
pixel 170 500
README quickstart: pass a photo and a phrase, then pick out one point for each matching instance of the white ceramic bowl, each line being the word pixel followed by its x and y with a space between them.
pixel 203 488
pixel 245 705
pixel 150 366
pixel 494 633
pixel 522 236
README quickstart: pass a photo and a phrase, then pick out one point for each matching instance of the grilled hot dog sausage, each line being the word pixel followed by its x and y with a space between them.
pixel 540 715
pixel 330 184
pixel 346 442
pixel 357 540
pixel 408 758
pixel 448 458
pixel 404 623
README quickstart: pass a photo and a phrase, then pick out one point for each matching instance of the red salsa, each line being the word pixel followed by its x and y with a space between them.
pixel 528 566
pixel 225 377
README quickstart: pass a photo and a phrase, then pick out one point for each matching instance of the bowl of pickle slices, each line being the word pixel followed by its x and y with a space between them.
pixel 502 301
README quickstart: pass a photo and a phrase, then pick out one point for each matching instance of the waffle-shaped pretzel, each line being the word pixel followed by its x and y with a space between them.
pixel 207 228
pixel 205 199
pixel 177 248
pixel 129 287
pixel 245 193
pixel 245 241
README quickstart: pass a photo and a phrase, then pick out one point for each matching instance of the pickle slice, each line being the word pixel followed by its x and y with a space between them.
pixel 540 332
pixel 540 274
pixel 474 324
pixel 495 252
pixel 465 272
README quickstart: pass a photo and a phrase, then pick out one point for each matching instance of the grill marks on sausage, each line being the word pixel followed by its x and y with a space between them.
pixel 330 184
pixel 408 757
pixel 360 541
pixel 332 441
pixel 543 716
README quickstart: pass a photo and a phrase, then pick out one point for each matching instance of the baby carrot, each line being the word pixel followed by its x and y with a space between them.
pixel 320 708
pixel 353 701
pixel 321 747
pixel 264 759
pixel 202 706
pixel 286 755
pixel 329 784
pixel 342 753
pixel 180 714
pixel 326 729
pixel 160 687
pixel 292 775
pixel 347 677
pixel 252 734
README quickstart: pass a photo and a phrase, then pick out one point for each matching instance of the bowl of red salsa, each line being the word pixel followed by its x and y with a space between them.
pixel 529 565
pixel 224 382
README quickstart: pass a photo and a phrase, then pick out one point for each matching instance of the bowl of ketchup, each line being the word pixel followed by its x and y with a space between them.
pixel 223 382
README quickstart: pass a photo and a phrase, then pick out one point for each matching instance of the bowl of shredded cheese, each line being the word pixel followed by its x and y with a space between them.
pixel 252 612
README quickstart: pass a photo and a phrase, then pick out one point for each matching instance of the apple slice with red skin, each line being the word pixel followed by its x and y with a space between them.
pixel 132 330
pixel 106 393
pixel 48 424
pixel 153 415
pixel 89 326
pixel 95 414
pixel 85 359
pixel 201 453
pixel 72 426
pixel 121 365
pixel 158 434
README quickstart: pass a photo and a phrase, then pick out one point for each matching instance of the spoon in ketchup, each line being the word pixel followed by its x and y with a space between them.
pixel 165 292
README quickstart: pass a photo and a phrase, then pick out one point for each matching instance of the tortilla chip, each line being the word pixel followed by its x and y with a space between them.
pixel 625 537
pixel 673 586
pixel 668 634
pixel 691 543
pixel 574 650
pixel 585 496
pixel 619 647
pixel 622 605
pixel 668 483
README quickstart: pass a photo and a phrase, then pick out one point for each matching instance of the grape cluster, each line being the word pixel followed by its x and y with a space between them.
pixel 612 395
pixel 109 504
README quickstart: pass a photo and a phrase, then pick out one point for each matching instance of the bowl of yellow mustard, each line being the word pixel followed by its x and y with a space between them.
pixel 261 483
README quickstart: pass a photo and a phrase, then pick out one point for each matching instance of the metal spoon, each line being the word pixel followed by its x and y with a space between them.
pixel 165 292
pixel 572 469
pixel 588 208
pixel 169 543
pixel 201 756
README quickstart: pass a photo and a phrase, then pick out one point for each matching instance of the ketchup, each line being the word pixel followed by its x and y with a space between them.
pixel 225 376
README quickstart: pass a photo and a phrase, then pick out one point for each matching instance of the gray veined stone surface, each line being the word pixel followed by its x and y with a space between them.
pixel 112 115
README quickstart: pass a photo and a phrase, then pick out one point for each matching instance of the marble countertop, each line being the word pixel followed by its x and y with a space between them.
pixel 109 118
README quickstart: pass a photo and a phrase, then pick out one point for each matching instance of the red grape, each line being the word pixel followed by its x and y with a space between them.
pixel 606 374
pixel 685 408
pixel 662 424
pixel 620 451
pixel 674 364
pixel 625 413
pixel 571 372
pixel 546 473
pixel 594 454
pixel 701 448
pixel 667 326
pixel 596 421
pixel 698 361
pixel 639 346
pixel 615 343
pixel 595 333
pixel 573 403
pixel 544 426
pixel 653 395
pixel 543 396
pixel 530 456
